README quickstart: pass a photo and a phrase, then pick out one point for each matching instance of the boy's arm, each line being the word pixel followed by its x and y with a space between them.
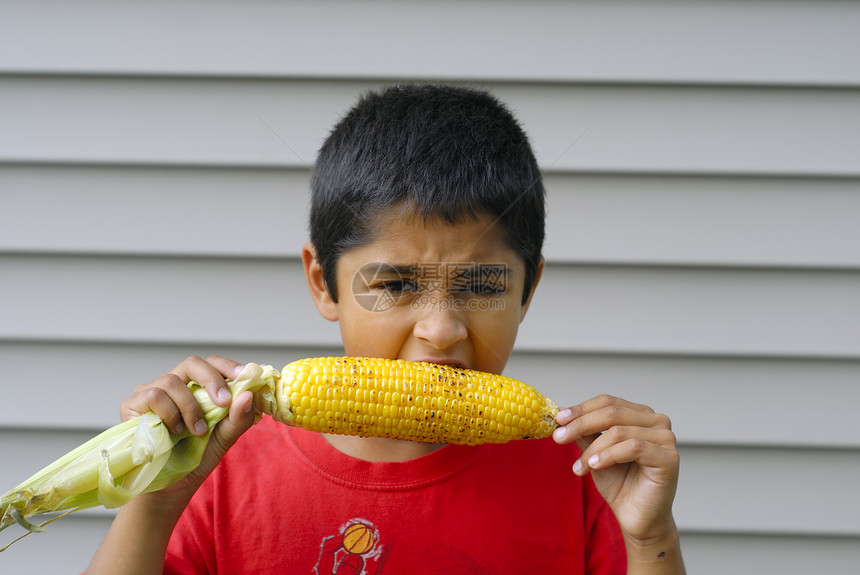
pixel 137 540
pixel 632 456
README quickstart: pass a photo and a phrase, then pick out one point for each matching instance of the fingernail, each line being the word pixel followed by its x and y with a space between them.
pixel 577 466
pixel 224 395
pixel 559 434
pixel 562 415
pixel 179 428
pixel 200 427
pixel 237 370
pixel 593 460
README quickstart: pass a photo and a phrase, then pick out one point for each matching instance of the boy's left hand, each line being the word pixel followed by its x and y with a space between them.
pixel 632 456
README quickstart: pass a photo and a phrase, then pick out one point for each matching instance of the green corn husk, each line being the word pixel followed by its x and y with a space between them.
pixel 134 457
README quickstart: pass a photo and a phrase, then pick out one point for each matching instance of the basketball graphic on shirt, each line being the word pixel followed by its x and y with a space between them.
pixel 354 550
pixel 358 538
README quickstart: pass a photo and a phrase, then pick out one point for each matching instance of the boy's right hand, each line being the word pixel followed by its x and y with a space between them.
pixel 170 399
pixel 138 537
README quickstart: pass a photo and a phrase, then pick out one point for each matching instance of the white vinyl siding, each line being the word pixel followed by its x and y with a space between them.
pixel 702 161
pixel 659 41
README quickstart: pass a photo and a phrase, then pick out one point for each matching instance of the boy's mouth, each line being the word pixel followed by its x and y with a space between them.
pixel 447 362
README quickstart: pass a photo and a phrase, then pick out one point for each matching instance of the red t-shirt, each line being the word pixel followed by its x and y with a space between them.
pixel 284 501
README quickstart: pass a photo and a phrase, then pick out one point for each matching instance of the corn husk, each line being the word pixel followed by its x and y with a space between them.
pixel 131 458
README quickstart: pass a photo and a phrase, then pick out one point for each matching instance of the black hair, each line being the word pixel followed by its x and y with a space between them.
pixel 441 151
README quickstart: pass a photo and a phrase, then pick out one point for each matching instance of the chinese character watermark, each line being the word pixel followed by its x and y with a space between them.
pixel 460 286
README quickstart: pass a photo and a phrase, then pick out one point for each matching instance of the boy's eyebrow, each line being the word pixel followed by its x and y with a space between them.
pixel 389 268
pixel 487 269
pixel 460 269
pixel 439 269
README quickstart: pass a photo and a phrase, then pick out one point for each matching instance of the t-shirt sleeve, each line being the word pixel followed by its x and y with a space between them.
pixel 606 553
pixel 190 550
pixel 183 556
pixel 605 550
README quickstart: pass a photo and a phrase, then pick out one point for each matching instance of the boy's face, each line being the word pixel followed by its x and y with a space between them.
pixel 438 292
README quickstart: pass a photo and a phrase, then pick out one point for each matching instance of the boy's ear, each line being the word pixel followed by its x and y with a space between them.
pixel 532 290
pixel 316 283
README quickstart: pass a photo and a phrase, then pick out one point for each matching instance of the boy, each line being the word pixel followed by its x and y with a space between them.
pixel 427 224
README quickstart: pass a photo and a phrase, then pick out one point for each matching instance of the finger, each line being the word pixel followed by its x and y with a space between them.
pixel 566 415
pixel 239 419
pixel 229 369
pixel 596 422
pixel 192 413
pixel 642 453
pixel 601 402
pixel 625 445
pixel 170 399
pixel 563 435
pixel 211 374
pixel 619 434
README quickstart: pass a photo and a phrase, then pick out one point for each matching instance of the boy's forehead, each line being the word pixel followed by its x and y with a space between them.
pixel 408 238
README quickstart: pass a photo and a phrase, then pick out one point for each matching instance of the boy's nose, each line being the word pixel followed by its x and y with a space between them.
pixel 440 326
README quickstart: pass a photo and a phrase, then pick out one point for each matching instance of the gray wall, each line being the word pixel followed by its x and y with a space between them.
pixel 703 254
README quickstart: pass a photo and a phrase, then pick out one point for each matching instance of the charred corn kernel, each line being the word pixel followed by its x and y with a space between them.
pixel 419 401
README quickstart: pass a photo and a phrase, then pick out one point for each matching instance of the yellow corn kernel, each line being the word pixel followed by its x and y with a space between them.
pixel 418 401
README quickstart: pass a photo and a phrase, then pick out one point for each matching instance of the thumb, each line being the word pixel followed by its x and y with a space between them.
pixel 239 419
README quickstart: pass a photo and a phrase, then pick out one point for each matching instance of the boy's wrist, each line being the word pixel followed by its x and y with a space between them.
pixel 660 553
pixel 158 508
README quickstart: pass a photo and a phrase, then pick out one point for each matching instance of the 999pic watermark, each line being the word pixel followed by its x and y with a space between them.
pixel 461 286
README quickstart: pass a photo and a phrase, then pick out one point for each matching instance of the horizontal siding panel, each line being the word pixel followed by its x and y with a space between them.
pixel 130 210
pixel 745 554
pixel 167 121
pixel 695 311
pixel 791 222
pixel 723 489
pixel 66 548
pixel 641 219
pixel 536 40
pixel 249 301
pixel 776 393
pixel 577 308
pixel 282 123
pixel 810 491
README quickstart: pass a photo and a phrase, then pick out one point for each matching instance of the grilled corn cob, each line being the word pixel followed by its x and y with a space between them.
pixel 405 400
pixel 357 396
